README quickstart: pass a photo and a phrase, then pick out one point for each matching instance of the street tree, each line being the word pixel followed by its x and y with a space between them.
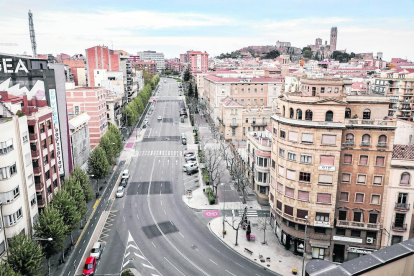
pixel 98 165
pixel 239 170
pixel 72 185
pixel 118 137
pixel 190 90
pixel 187 75
pixel 110 150
pixel 238 222
pixel 25 256
pixel 6 270
pixel 262 225
pixel 213 165
pixel 80 177
pixel 51 225
pixel 196 93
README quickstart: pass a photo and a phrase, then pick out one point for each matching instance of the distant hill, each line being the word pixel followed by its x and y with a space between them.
pixel 252 51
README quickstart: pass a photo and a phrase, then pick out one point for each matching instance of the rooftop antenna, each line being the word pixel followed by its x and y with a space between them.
pixel 32 34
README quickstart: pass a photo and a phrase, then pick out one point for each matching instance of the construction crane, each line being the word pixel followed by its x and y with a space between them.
pixel 32 34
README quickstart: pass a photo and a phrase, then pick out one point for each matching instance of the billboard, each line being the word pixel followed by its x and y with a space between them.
pixel 56 128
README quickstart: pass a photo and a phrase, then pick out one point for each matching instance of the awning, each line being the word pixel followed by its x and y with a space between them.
pixel 320 244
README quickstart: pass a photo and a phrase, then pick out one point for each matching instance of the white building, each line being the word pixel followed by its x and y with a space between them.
pixel 153 55
pixel 18 209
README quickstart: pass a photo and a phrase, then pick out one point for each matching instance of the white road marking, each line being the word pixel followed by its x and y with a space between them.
pixel 137 216
pixel 161 202
pixel 213 262
pixel 181 235
pixel 148 266
pixel 230 272
pixel 174 266
pixel 214 248
pixel 165 212
pixel 153 244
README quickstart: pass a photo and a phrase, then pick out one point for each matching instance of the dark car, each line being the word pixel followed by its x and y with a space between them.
pixel 188 153
pixel 184 141
pixel 124 182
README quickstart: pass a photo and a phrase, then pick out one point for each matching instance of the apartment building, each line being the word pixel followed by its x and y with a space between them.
pixel 154 56
pixel 93 101
pixel 197 62
pixel 18 205
pixel 100 57
pixel 150 66
pixel 78 71
pixel 331 156
pixel 79 138
pixel 114 109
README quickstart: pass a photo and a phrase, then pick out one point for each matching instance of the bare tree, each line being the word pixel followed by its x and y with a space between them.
pixel 239 223
pixel 262 225
pixel 213 165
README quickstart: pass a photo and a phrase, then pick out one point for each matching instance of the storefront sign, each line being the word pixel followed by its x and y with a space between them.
pixel 347 239
pixel 11 65
pixel 360 250
pixel 56 126
pixel 322 223
pixel 326 168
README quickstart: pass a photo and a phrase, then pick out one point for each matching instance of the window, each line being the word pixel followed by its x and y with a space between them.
pixel 405 178
pixel 247 120
pixel 361 179
pixel 363 160
pixel 342 215
pixel 289 192
pixel 284 109
pixel 279 205
pixel 372 234
pixel 356 233
pixel 329 116
pixel 248 101
pixel 307 138
pixel 273 164
pixel 242 102
pixel 263 190
pixel 292 156
pixel 328 139
pixel 347 158
pixel 298 114
pixel 8 172
pixel 396 239
pixel 344 196
pixel 322 217
pixel 366 140
pixel 25 137
pixel 280 187
pixel 307 159
pixel 13 218
pixel 290 174
pixel 357 216
pixel 323 198
pixel 377 180
pixel 291 113
pixel 373 218
pixel 288 210
pixel 382 141
pixel 322 89
pixel 248 90
pixel 301 213
pixel 346 177
pixel 359 198
pixel 293 136
pixel 366 114
pixel 6 146
pixel 261 102
pixel 319 230
pixel 255 90
pixel 242 90
pixel 327 160
pixel 281 171
pixel 281 153
pixel 325 179
pixel 305 177
pixel 28 159
pixel 303 195
pixel 255 101
pixel 380 160
pixel 347 113
pixel 340 231
pixel 329 89
pixel 336 89
pixel 282 134
pixel 308 115
pixel 375 199
pixel 272 198
pixel 349 139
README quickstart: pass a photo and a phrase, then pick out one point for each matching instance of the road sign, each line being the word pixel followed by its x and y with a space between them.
pixel 211 213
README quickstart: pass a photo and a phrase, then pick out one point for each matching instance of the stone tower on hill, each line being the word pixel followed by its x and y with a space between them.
pixel 334 37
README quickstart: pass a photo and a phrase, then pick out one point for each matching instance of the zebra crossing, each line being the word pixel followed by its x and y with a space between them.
pixel 160 153
pixel 249 213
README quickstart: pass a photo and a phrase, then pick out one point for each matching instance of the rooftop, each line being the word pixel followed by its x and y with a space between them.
pixel 403 152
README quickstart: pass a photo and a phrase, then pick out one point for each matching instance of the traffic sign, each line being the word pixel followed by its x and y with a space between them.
pixel 211 213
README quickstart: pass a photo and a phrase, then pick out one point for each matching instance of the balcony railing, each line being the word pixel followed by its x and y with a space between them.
pixel 35 153
pixel 365 143
pixel 402 206
pixel 349 143
pixel 357 225
pixel 39 186
pixel 399 227
pixel 33 136
pixel 37 170
pixel 254 123
pixel 363 122
pixel 382 145
pixel 404 108
pixel 41 202
pixel 234 124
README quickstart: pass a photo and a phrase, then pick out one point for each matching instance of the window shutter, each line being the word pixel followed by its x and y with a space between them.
pixel 281 171
pixel 328 139
pixel 359 198
pixel 325 178
pixel 382 139
pixel 344 196
pixel 293 136
pixel 327 160
pixel 346 177
pixel 362 178
pixel 303 195
pixel 380 161
pixel 363 160
pixel 289 210
pixel 377 180
pixel 324 198
pixel 348 158
pixel 405 178
pixel 291 174
pixel 280 187
pixel 290 192
pixel 301 213
pixel 375 199
pixel 307 137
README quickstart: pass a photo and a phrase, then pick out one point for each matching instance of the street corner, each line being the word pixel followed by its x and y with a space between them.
pixel 197 199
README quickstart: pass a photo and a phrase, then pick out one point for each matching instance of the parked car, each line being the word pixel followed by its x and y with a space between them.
pixel 189 166
pixel 188 153
pixel 125 174
pixel 96 250
pixel 184 141
pixel 159 118
pixel 89 267
pixel 120 192
pixel 190 158
pixel 124 182
pixel 192 171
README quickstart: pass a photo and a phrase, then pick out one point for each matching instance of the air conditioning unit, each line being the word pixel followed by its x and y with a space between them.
pixel 370 240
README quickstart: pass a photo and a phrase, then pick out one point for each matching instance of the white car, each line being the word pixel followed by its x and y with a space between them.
pixel 96 250
pixel 120 192
pixel 125 174
pixel 159 118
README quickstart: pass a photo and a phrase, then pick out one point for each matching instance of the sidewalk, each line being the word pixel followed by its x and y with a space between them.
pixel 281 261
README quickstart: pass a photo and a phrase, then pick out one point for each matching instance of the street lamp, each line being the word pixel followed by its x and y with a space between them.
pixel 97 188
pixel 224 207
pixel 48 260
pixel 304 247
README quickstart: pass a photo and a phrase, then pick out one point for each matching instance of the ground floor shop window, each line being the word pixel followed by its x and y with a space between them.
pixel 318 253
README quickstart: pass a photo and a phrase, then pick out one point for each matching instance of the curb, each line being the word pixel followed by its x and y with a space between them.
pixel 253 262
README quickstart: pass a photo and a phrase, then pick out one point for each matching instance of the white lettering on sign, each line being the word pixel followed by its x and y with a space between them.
pixel 53 105
pixel 326 168
pixel 6 63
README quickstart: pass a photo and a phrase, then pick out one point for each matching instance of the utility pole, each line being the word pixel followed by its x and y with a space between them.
pixel 32 34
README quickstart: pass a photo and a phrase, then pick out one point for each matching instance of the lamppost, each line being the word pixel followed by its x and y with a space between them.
pixel 304 247
pixel 48 260
pixel 6 246
pixel 224 207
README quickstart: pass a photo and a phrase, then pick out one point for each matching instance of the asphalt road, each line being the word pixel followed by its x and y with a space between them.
pixel 150 228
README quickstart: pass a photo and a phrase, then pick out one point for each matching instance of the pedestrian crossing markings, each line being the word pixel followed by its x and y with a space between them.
pixel 160 153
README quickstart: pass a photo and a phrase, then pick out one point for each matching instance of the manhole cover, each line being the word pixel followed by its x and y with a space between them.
pixel 194 247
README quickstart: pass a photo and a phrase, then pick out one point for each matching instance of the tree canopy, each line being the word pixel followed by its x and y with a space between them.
pixel 272 54
pixel 98 164
pixel 25 257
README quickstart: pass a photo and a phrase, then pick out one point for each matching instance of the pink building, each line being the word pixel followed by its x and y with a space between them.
pixel 100 57
pixel 197 62
pixel 93 101
pixel 184 58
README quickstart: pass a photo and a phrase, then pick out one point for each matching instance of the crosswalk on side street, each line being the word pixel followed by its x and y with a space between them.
pixel 160 153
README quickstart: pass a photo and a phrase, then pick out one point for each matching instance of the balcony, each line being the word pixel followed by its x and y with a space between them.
pixel 399 227
pixel 402 207
pixel 39 187
pixel 234 124
pixel 259 124
pixel 41 203
pixel 405 108
pixel 382 145
pixel 370 123
pixel 35 154
pixel 37 170
pixel 357 225
pixel 365 143
pixel 349 143
pixel 32 136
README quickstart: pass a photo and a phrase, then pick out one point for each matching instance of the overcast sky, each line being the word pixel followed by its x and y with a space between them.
pixel 174 26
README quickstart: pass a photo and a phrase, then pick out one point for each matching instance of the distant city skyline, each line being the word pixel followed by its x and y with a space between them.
pixel 217 27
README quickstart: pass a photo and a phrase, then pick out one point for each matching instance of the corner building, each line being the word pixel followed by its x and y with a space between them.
pixel 318 172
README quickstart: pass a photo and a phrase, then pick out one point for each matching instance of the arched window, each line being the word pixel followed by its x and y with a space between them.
pixel 367 114
pixel 329 116
pixel 308 115
pixel 405 178
pixel 366 139
pixel 347 113
pixel 291 113
pixel 349 139
pixel 299 114
pixel 382 141
pixel 284 110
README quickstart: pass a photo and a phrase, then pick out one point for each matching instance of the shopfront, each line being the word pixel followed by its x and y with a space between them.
pixel 355 252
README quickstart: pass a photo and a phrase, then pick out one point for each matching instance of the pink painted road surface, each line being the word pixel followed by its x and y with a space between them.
pixel 129 145
pixel 211 213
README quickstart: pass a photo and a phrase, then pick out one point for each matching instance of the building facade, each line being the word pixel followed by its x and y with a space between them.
pixel 154 56
pixel 78 71
pixel 79 137
pixel 197 62
pixel 100 57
